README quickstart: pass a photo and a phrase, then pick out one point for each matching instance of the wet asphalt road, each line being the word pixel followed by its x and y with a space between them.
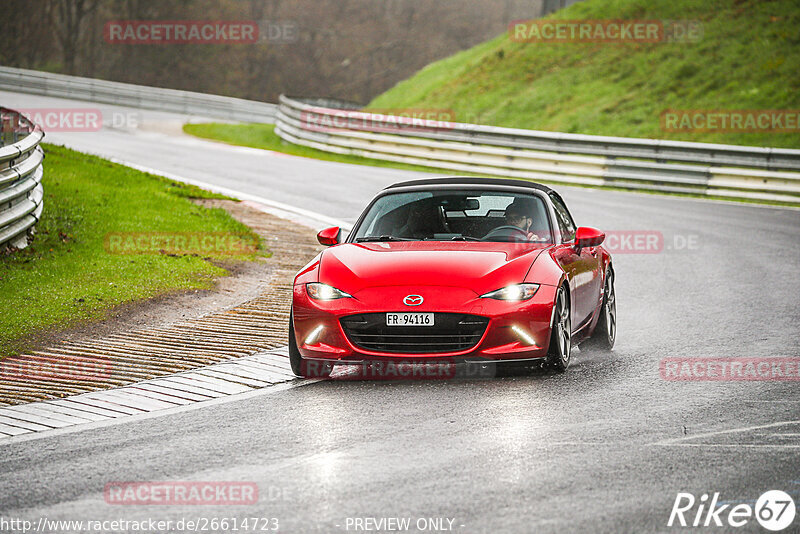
pixel 605 447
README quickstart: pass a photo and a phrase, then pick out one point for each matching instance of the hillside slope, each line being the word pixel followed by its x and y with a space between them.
pixel 747 59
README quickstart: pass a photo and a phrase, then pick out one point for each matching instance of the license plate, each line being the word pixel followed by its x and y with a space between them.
pixel 409 319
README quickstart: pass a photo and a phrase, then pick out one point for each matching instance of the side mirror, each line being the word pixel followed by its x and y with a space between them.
pixel 330 236
pixel 588 237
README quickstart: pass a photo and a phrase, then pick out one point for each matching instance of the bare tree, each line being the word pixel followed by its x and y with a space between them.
pixel 67 17
pixel 26 39
pixel 345 49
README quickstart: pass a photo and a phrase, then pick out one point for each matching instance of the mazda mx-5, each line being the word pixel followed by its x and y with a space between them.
pixel 455 269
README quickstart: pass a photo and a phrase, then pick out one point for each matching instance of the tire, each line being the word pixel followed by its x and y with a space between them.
pixel 605 333
pixel 300 366
pixel 560 350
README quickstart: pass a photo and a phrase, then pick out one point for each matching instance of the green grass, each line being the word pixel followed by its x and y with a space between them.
pixel 263 136
pixel 748 59
pixel 67 277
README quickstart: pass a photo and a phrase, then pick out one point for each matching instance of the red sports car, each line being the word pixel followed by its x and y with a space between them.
pixel 454 269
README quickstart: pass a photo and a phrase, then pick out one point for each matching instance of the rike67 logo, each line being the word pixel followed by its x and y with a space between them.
pixel 774 510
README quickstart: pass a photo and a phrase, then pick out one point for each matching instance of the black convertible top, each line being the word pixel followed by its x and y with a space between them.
pixel 464 180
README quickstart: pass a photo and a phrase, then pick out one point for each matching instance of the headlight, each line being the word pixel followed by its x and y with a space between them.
pixel 318 291
pixel 515 292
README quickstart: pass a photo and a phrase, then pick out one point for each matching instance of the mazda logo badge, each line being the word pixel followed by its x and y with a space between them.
pixel 413 300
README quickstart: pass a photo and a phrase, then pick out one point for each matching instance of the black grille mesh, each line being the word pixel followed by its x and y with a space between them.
pixel 451 332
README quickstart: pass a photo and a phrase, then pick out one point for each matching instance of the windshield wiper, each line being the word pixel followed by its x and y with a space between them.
pixel 465 238
pixel 375 238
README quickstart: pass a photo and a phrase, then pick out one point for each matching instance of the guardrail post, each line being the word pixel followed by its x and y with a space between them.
pixel 728 171
pixel 21 192
pixel 130 95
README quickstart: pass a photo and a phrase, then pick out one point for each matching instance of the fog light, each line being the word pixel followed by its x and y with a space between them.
pixel 523 335
pixel 312 337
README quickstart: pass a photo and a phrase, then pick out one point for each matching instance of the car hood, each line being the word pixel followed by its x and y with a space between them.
pixel 480 267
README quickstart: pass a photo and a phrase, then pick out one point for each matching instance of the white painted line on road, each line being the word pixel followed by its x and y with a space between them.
pixel 228 388
pixel 128 398
pixel 274 205
pixel 684 441
pixel 72 402
pixel 181 383
pixel 731 445
pixel 91 399
pixel 194 382
pixel 222 382
pixel 740 429
pixel 141 392
pixel 50 414
pixel 269 373
pixel 12 430
pixel 70 410
pixel 30 418
pixel 236 379
pixel 242 373
pixel 173 390
pixel 23 424
pixel 48 433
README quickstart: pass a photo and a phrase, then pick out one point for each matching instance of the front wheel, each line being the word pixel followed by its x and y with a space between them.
pixel 560 349
pixel 300 366
pixel 605 333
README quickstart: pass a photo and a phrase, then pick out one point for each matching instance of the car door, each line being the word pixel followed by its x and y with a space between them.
pixel 583 269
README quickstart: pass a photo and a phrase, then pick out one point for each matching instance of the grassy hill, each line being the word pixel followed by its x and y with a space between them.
pixel 747 59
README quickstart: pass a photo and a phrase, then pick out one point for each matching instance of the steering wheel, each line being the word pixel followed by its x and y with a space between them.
pixel 511 233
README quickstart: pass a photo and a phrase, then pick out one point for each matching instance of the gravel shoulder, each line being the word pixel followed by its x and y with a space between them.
pixel 246 312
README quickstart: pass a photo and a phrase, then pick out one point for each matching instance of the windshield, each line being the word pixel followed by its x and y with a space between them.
pixel 475 215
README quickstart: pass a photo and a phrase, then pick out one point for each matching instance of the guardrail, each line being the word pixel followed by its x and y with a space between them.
pixel 136 96
pixel 731 171
pixel 21 191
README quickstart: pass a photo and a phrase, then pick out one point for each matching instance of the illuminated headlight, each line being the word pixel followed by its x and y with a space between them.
pixel 318 291
pixel 515 292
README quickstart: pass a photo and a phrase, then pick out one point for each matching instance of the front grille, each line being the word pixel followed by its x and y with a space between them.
pixel 452 332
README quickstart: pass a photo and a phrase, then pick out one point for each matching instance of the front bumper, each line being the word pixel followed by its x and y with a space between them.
pixel 511 328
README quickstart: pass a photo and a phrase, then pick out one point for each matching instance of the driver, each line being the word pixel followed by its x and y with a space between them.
pixel 520 214
pixel 421 221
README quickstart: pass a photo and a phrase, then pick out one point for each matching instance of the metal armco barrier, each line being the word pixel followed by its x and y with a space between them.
pixel 135 96
pixel 731 171
pixel 21 191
